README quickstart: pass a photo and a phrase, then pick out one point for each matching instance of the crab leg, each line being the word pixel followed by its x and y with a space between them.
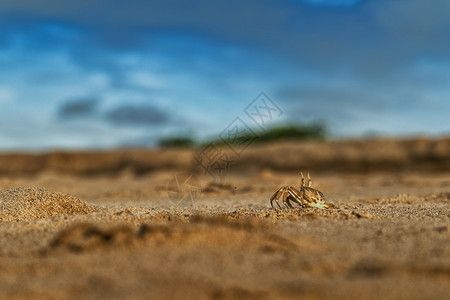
pixel 277 196
pixel 288 201
pixel 295 196
pixel 285 195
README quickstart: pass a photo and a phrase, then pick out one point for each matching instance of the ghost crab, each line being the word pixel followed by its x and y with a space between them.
pixel 305 197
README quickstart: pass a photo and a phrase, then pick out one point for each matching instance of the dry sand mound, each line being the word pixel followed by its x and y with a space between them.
pixel 22 204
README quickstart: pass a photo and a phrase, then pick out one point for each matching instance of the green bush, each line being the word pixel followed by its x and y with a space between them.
pixel 281 132
pixel 292 132
pixel 177 142
pixel 296 132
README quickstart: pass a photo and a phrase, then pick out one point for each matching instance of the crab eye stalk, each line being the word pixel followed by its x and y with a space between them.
pixel 302 181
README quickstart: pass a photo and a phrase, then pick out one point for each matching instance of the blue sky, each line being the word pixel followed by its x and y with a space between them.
pixel 99 74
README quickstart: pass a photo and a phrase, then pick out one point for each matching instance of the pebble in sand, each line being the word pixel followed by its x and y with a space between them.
pixel 23 204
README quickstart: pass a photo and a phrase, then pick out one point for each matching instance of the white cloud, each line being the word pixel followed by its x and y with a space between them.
pixel 98 80
pixel 145 79
pixel 6 94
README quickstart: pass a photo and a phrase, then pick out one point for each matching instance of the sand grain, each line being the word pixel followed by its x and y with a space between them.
pixel 23 204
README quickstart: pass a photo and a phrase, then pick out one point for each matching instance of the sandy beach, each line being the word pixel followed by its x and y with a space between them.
pixel 112 224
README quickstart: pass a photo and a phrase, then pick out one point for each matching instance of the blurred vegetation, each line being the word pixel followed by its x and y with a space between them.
pixel 292 132
pixel 296 132
pixel 177 142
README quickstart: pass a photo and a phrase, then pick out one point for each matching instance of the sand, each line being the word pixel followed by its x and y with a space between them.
pixel 24 204
pixel 116 233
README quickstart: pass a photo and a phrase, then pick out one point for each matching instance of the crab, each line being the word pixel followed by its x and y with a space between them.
pixel 305 197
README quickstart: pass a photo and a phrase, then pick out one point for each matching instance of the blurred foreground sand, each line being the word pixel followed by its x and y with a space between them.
pixel 387 238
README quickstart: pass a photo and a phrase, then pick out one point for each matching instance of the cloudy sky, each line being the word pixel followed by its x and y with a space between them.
pixel 96 74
